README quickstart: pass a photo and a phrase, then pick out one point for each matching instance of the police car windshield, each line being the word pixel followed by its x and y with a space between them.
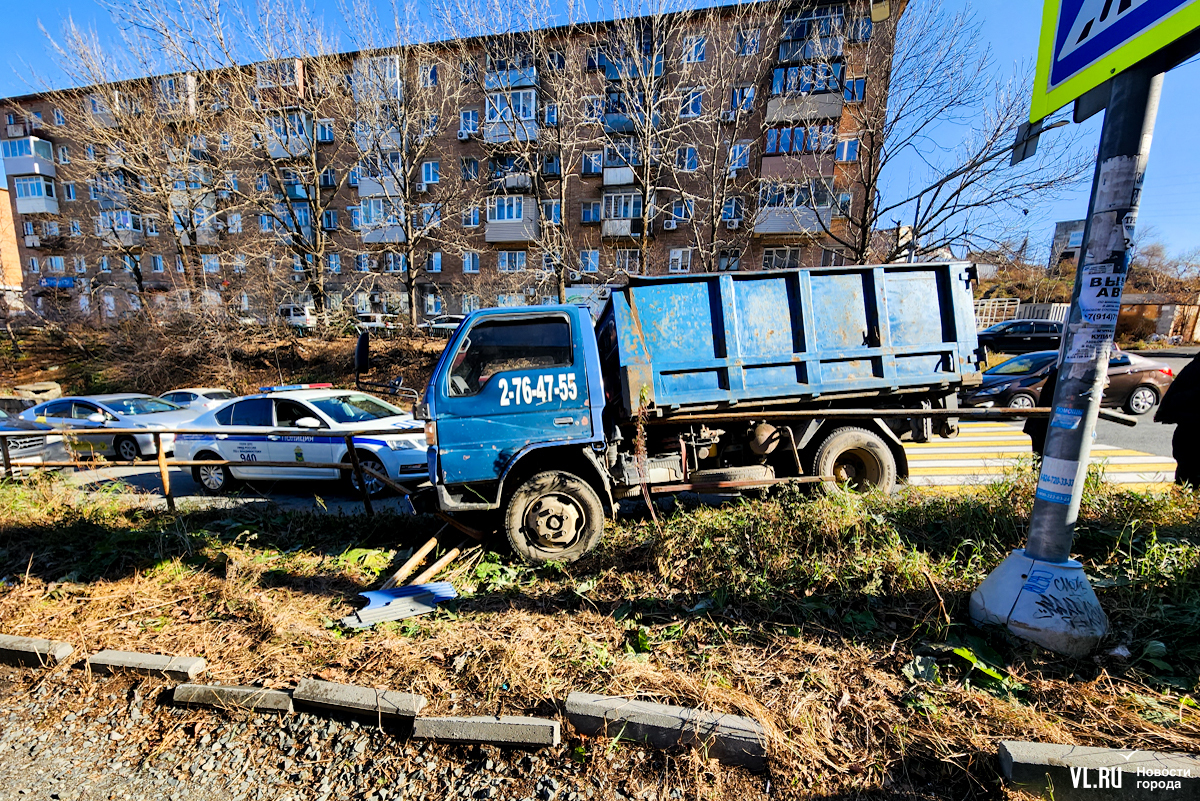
pixel 133 406
pixel 355 408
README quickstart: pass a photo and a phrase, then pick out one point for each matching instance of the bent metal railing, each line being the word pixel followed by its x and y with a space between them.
pixel 11 465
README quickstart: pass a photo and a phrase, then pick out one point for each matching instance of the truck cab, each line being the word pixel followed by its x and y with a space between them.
pixel 514 409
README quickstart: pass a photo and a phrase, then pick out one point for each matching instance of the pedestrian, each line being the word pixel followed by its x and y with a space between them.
pixel 1181 407
pixel 1035 427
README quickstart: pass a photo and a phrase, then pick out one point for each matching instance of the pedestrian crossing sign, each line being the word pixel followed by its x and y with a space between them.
pixel 1086 42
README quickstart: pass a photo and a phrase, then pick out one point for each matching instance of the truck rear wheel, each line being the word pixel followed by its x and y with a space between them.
pixel 858 457
pixel 554 516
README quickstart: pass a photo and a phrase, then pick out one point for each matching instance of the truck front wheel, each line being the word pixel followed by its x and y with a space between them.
pixel 858 457
pixel 554 516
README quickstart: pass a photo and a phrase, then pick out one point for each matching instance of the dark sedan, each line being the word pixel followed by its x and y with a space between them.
pixel 1134 382
pixel 1022 336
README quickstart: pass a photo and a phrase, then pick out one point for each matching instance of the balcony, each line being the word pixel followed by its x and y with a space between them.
pixel 287 147
pixel 520 78
pixel 16 131
pixel 497 133
pixel 205 237
pixel 622 228
pixel 383 234
pixel 618 176
pixel 32 241
pixel 123 238
pixel 295 191
pixel 522 230
pixel 28 156
pixel 378 186
pixel 37 205
pixel 517 181
pixel 791 220
pixel 801 108
pixel 53 242
pixel 619 69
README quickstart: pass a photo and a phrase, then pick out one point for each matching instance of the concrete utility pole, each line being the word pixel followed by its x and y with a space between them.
pixel 1039 592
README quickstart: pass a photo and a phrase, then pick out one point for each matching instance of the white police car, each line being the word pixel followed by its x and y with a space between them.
pixel 304 423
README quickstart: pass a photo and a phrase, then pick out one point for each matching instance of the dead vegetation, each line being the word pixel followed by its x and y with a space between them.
pixel 839 622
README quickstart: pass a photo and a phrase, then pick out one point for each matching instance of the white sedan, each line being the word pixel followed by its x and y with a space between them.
pixel 198 398
pixel 304 424
pixel 127 410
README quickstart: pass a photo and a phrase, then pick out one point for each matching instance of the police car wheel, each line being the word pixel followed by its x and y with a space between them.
pixel 213 479
pixel 127 449
pixel 554 517
pixel 374 485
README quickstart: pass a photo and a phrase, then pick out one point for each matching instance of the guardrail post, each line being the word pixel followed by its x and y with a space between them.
pixel 8 473
pixel 163 473
pixel 358 473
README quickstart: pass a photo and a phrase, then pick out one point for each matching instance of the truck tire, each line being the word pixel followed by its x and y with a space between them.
pixel 554 517
pixel 858 457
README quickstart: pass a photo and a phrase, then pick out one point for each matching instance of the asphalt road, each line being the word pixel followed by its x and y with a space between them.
pixel 1147 436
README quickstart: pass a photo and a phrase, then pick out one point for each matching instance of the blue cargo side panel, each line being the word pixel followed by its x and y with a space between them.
pixel 845 306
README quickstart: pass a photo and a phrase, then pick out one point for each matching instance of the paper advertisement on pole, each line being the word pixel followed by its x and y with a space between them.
pixel 1100 294
pixel 1057 479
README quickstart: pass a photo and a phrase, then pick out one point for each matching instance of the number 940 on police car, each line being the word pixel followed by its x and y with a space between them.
pixel 530 390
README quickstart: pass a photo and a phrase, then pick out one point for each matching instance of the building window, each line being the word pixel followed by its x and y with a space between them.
pixel 470 168
pixel 56 264
pixel 589 261
pixel 151 225
pixel 691 104
pixel 59 117
pixel 266 222
pixel 593 108
pixel 467 71
pixel 329 219
pixel 210 262
pixel 233 222
pixel 510 261
pixel 832 258
pixel 811 139
pixel 686 159
pixel 156 264
pixel 328 177
pixel 76 228
pixel 729 260
pixel 470 217
pixel 682 210
pixel 90 152
pixel 362 262
pixel 747 41
pixel 847 150
pixel 395 262
pixel 81 264
pixel 590 211
pixel 693 49
pixel 470 262
pixel 552 212
pixel 627 260
pixel 551 165
pixel 624 206
pixel 550 115
pixel 105 267
pixel 69 191
pixel 50 228
pixel 334 262
pixel 468 120
pixel 433 262
pixel 739 156
pixel 814 193
pixel 64 154
pixel 433 305
pixel 741 98
pixel 355 213
pixel 593 162
pixel 225 142
pixel 34 187
pixel 859 30
pixel 844 201
pixel 504 208
pixel 781 258
pixel 681 261
pixel 428 74
pixel 856 90
pixel 324 130
pixel 732 209
pixel 509 106
pixel 179 263
pixel 354 175
pixel 276 73
pixel 431 215
pixel 556 61
pixel 807 79
pixel 470 303
pixel 431 172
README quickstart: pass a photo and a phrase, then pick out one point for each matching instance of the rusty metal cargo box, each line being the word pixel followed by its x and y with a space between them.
pixel 713 340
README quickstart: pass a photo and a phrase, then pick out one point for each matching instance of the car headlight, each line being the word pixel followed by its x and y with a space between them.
pixel 406 444
pixel 996 390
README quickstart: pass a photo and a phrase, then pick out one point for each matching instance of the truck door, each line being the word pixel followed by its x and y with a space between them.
pixel 514 380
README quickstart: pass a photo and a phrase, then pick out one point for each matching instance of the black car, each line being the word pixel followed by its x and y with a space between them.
pixel 1022 336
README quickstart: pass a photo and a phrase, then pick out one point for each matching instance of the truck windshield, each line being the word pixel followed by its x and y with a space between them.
pixel 497 346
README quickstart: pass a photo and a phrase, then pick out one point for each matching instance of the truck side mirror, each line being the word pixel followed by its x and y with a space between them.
pixel 362 353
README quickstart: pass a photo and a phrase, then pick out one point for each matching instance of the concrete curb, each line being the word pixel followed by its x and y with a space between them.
pixel 259 699
pixel 179 668
pixel 1099 774
pixel 33 651
pixel 731 739
pixel 357 700
pixel 504 730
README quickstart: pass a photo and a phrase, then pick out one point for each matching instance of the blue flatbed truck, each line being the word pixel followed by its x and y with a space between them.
pixel 543 420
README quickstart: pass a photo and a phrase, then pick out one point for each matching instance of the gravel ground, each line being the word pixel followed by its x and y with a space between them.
pixel 65 735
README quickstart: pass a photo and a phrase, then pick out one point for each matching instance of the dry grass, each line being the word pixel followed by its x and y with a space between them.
pixel 800 613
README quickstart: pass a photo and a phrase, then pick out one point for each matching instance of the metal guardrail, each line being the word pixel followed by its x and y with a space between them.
pixel 164 464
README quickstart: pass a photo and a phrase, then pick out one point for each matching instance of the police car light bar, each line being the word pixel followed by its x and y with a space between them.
pixel 295 386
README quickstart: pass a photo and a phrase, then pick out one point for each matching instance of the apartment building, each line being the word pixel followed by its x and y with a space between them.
pixel 439 177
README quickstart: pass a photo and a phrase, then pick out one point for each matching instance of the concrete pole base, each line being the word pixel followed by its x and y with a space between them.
pixel 1048 603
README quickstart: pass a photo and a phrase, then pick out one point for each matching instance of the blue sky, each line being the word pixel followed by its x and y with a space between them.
pixel 1170 202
